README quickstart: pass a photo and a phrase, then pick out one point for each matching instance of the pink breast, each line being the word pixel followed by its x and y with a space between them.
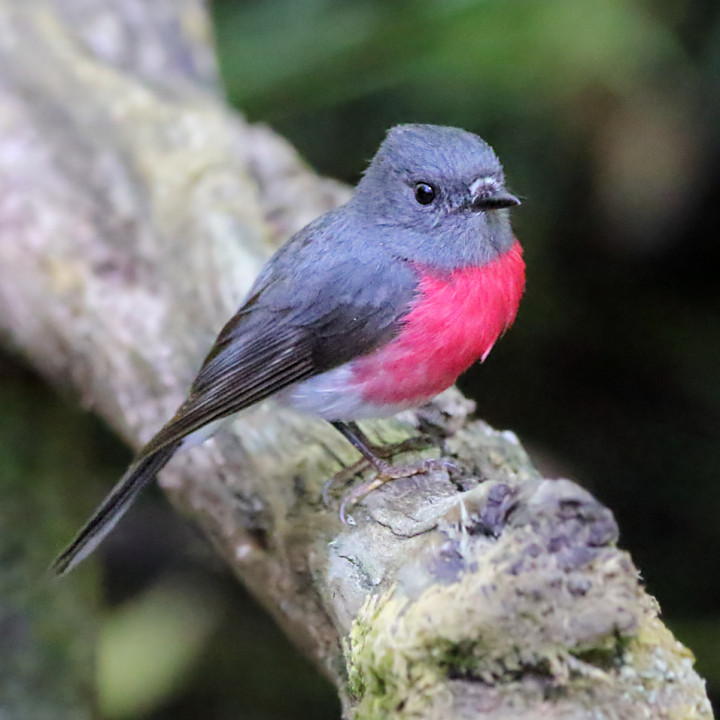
pixel 455 321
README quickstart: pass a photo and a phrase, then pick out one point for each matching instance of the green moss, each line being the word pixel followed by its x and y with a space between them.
pixel 405 655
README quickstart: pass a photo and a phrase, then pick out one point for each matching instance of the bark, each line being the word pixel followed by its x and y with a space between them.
pixel 135 209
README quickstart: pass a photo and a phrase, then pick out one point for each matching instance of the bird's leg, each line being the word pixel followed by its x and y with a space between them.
pixel 377 456
pixel 374 454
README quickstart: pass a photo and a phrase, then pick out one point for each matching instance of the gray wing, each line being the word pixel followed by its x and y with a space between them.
pixel 325 298
pixel 239 376
pixel 310 310
pixel 242 374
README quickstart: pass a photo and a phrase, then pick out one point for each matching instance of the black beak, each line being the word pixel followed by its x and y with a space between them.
pixel 494 200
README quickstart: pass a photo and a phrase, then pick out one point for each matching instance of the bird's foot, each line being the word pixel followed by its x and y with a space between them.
pixel 387 473
pixel 380 452
pixel 377 457
pixel 419 442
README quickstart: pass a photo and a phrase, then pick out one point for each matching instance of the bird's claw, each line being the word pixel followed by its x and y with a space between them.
pixel 387 473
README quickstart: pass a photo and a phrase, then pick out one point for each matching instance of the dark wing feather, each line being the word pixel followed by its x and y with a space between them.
pixel 310 310
pixel 238 374
pixel 112 508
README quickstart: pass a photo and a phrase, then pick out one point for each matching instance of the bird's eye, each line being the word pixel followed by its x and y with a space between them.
pixel 424 193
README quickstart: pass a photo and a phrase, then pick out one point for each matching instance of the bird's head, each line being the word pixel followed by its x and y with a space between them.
pixel 443 183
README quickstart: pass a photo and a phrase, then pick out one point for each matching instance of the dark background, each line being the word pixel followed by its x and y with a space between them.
pixel 606 115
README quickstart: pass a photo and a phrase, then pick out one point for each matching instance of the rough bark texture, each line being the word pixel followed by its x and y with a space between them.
pixel 135 209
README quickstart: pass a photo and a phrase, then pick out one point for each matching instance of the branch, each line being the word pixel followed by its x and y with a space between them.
pixel 135 210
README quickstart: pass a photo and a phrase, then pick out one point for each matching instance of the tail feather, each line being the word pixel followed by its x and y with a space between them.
pixel 112 508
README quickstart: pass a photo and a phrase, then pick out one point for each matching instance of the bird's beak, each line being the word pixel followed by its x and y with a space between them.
pixel 487 193
pixel 493 200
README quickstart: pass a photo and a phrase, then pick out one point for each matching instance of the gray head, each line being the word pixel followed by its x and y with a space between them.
pixel 442 190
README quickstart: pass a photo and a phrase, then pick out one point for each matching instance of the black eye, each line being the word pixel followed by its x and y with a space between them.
pixel 424 193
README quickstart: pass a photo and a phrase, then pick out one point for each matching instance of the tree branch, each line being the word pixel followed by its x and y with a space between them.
pixel 135 210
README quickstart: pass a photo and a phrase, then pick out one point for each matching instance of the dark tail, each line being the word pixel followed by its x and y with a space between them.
pixel 112 508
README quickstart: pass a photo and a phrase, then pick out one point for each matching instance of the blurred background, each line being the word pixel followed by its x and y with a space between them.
pixel 606 115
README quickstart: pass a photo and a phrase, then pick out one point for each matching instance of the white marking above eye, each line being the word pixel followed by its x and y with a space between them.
pixel 484 185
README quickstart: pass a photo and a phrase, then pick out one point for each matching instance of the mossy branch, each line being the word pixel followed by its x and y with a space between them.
pixel 135 209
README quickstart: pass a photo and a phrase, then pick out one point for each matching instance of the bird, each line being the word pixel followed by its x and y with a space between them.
pixel 373 308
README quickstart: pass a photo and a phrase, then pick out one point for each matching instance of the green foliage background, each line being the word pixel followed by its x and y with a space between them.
pixel 606 114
